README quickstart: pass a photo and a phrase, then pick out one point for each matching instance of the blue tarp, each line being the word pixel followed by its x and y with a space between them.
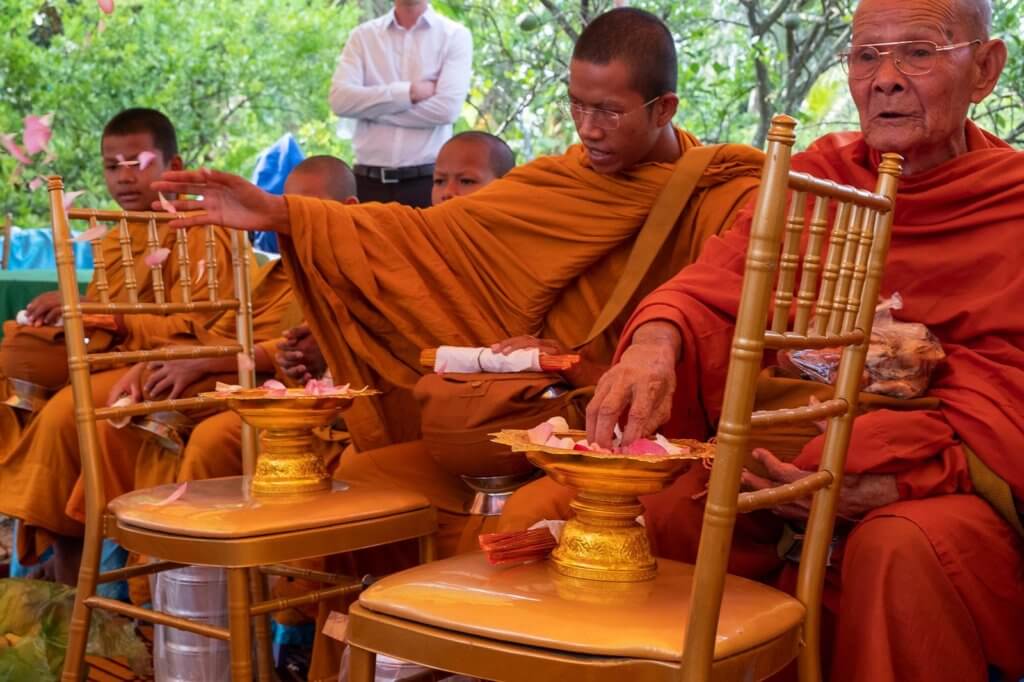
pixel 32 249
pixel 272 169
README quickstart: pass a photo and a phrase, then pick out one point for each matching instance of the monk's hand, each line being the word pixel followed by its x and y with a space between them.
pixel 545 346
pixel 859 494
pixel 643 381
pixel 130 384
pixel 174 376
pixel 227 200
pixel 45 309
pixel 299 356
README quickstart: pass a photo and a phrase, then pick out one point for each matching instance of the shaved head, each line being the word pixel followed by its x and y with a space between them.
pixel 324 177
pixel 500 155
pixel 972 17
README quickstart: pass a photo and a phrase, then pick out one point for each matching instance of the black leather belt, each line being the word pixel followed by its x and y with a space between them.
pixel 390 176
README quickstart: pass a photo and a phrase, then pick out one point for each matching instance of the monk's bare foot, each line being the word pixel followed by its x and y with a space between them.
pixel 67 557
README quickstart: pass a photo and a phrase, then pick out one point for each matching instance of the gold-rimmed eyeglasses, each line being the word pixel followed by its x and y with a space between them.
pixel 601 118
pixel 911 57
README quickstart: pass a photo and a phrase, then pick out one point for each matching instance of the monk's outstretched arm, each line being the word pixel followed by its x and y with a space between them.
pixel 227 200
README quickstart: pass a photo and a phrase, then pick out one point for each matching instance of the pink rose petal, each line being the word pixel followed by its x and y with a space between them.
pixel 7 140
pixel 245 363
pixel 176 495
pixel 274 385
pixel 539 434
pixel 221 387
pixel 37 133
pixel 644 446
pixel 106 5
pixel 166 205
pixel 156 257
pixel 101 25
pixel 69 198
pixel 36 183
pixel 92 234
pixel 200 269
pixel 145 158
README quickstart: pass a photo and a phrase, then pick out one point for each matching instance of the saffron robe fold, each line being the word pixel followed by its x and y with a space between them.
pixel 537 252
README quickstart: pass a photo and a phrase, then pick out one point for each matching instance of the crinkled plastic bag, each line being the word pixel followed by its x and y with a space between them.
pixel 37 614
pixel 901 357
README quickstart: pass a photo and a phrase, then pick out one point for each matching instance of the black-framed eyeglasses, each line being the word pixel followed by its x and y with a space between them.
pixel 911 57
pixel 601 118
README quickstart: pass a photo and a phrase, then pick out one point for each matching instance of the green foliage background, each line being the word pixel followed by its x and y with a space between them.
pixel 234 75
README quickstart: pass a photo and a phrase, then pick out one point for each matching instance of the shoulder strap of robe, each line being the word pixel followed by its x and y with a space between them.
pixel 659 224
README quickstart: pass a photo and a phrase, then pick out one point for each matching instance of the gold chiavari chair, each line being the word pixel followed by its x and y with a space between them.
pixel 216 522
pixel 527 623
pixel 5 259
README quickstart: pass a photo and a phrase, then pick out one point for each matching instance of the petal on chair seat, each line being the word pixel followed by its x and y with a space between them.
pixel 218 508
pixel 535 606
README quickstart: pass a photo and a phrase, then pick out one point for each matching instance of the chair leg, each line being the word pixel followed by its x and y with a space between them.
pixel 362 665
pixel 81 615
pixel 428 548
pixel 239 623
pixel 264 656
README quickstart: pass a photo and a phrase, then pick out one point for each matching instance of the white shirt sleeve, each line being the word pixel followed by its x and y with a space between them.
pixel 445 106
pixel 352 99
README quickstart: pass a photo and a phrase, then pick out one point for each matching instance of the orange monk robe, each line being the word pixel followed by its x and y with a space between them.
pixel 928 588
pixel 536 252
pixel 39 471
pixel 131 459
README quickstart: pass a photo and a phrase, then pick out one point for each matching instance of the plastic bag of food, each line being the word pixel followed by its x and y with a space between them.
pixel 900 361
pixel 34 620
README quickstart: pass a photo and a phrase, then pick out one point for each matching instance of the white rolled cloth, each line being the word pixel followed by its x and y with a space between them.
pixel 460 359
pixel 22 319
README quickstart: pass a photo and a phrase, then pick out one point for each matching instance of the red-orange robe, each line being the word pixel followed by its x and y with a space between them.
pixel 932 587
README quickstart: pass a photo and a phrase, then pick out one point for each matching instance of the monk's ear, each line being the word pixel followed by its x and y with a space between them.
pixel 989 61
pixel 665 108
pixel 351 201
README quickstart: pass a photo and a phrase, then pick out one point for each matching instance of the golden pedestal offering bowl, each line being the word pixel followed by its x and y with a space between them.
pixel 604 541
pixel 287 463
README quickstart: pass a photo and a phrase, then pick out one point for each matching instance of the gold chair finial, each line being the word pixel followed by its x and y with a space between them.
pixel 782 130
pixel 892 164
pixel 54 183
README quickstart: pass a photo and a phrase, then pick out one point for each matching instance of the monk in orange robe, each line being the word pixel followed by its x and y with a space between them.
pixel 927 584
pixel 39 466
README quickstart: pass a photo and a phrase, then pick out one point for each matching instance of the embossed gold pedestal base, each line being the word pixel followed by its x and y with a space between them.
pixel 604 541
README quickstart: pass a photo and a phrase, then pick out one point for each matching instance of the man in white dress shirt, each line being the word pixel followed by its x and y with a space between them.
pixel 403 77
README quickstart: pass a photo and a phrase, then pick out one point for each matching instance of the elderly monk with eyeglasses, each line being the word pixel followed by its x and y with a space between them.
pixel 927 573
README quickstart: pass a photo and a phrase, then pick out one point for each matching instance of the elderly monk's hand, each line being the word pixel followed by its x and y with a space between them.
pixel 299 355
pixel 130 384
pixel 584 373
pixel 643 381
pixel 174 376
pixel 860 493
pixel 45 309
pixel 227 200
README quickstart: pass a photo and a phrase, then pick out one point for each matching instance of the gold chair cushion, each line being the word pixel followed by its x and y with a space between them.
pixel 223 508
pixel 534 606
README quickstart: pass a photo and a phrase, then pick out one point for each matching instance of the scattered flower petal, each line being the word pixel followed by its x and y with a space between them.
pixel 558 423
pixel 36 183
pixel 92 234
pixel 274 385
pixel 101 25
pixel 106 5
pixel 245 363
pixel 539 434
pixel 643 446
pixel 176 495
pixel 156 257
pixel 145 158
pixel 69 198
pixel 121 422
pixel 7 140
pixel 49 158
pixel 37 133
pixel 221 387
pixel 166 205
pixel 200 269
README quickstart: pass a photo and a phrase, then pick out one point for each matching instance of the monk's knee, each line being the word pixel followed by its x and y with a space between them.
pixel 883 546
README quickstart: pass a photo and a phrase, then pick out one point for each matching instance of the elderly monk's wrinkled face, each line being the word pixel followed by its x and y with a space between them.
pixel 127 181
pixel 922 116
pixel 463 166
pixel 604 89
